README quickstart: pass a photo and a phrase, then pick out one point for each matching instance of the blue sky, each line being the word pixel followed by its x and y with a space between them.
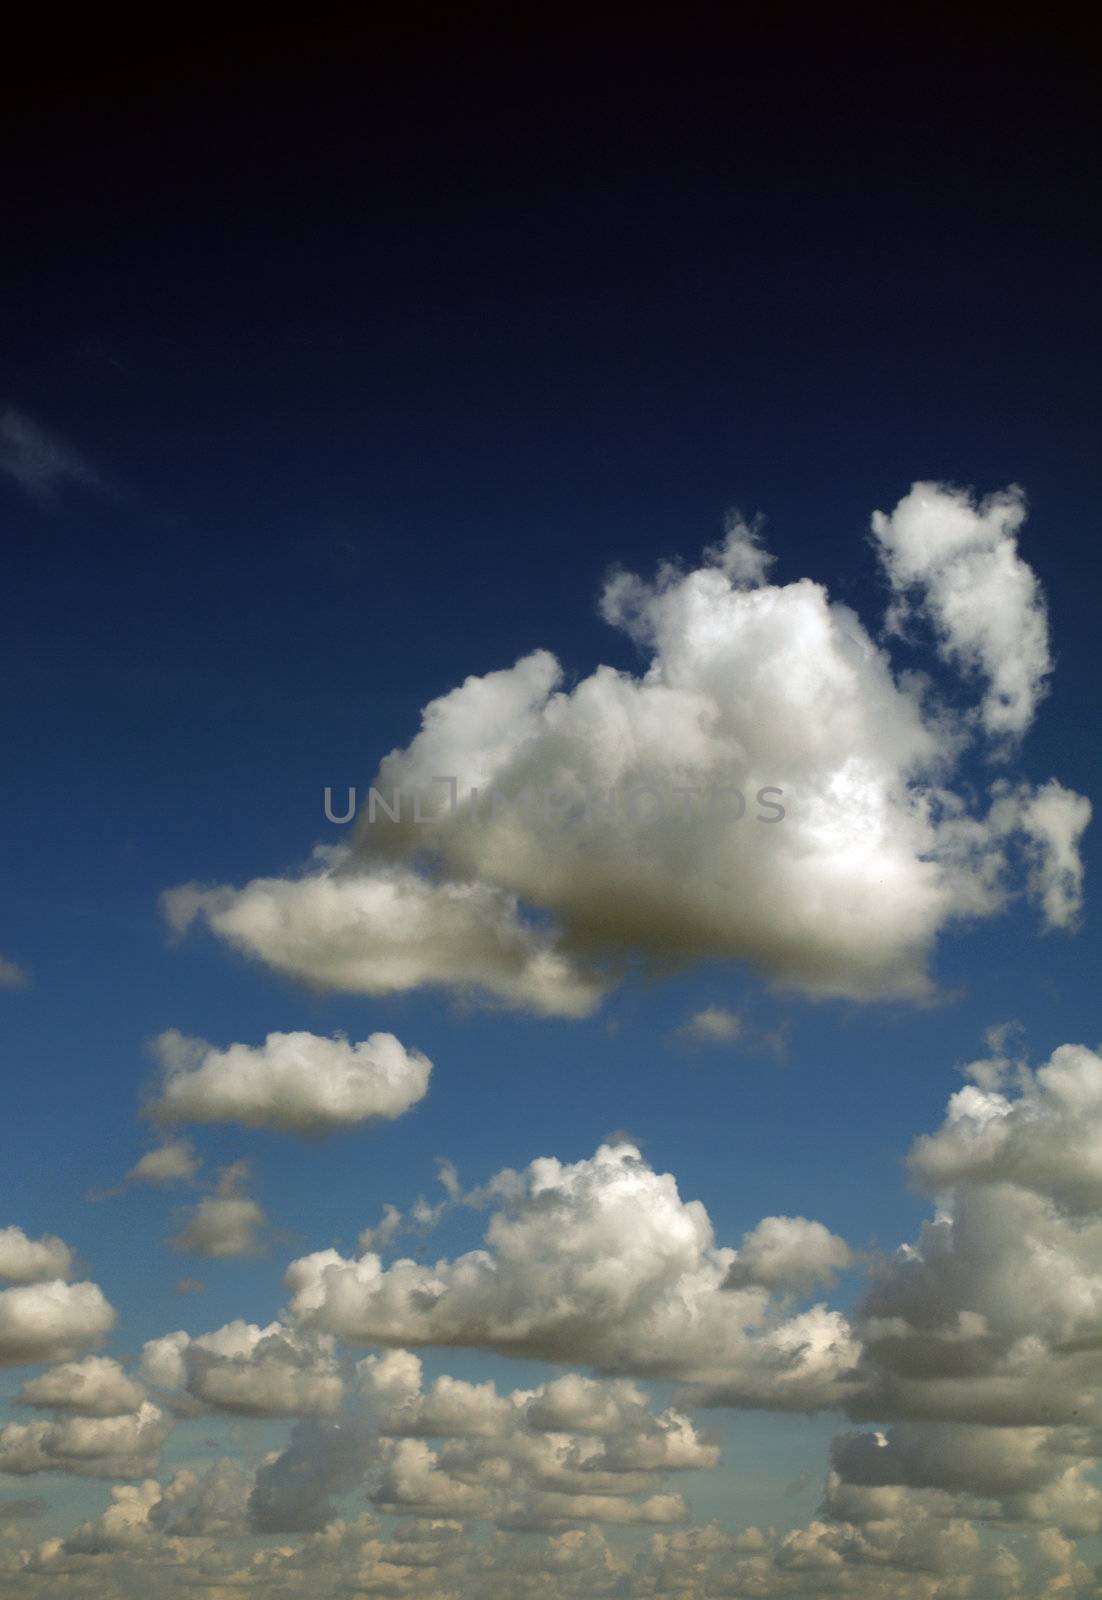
pixel 308 417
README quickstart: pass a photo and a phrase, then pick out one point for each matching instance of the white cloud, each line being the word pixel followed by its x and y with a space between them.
pixel 24 1260
pixel 94 1387
pixel 994 1315
pixel 960 560
pixel 788 1253
pixel 749 686
pixel 1029 1473
pixel 172 1162
pixel 225 1224
pixel 599 1262
pixel 125 1446
pixel 384 933
pixel 51 1321
pixel 1045 1137
pixel 573 1450
pixel 249 1371
pixel 295 1082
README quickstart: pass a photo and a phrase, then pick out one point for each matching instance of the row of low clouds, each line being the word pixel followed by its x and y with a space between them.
pixel 969 1367
pixel 746 683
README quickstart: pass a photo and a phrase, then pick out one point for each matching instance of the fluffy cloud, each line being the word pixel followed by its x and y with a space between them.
pixel 788 1253
pixel 1045 1135
pixel 172 1162
pixel 225 1224
pixel 1028 1474
pixel 51 1321
pixel 94 1387
pixel 147 1519
pixel 247 1371
pixel 389 931
pixel 994 1315
pixel 599 1262
pixel 573 1450
pixel 295 1082
pixel 24 1260
pixel 913 1556
pixel 957 563
pixel 125 1446
pixel 750 687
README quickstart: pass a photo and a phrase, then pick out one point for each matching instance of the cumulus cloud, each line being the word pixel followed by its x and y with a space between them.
pixel 573 1450
pixel 957 563
pixel 51 1321
pixel 609 831
pixel 788 1253
pixel 125 1446
pixel 148 1520
pixel 392 930
pixel 293 1082
pixel 24 1260
pixel 94 1387
pixel 293 1492
pixel 914 1556
pixel 1015 1474
pixel 247 1370
pixel 994 1315
pixel 1042 1132
pixel 599 1262
pixel 225 1224
pixel 174 1161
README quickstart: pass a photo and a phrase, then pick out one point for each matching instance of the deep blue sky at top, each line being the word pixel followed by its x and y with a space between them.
pixel 381 367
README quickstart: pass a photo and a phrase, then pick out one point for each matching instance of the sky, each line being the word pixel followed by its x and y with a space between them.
pixel 674 1172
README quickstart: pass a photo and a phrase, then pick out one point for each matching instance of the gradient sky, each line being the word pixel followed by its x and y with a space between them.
pixel 325 388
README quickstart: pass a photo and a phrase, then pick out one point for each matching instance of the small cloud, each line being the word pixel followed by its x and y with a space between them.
pixel 713 1025
pixel 189 1286
pixel 37 461
pixel 226 1224
pixel 12 975
pixel 172 1162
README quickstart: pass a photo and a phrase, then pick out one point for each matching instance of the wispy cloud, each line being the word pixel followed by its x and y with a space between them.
pixel 39 462
pixel 713 1025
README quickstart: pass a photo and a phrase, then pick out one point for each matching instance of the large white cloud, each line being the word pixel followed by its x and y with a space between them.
pixel 247 1370
pixel 750 686
pixel 598 1262
pixel 295 1082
